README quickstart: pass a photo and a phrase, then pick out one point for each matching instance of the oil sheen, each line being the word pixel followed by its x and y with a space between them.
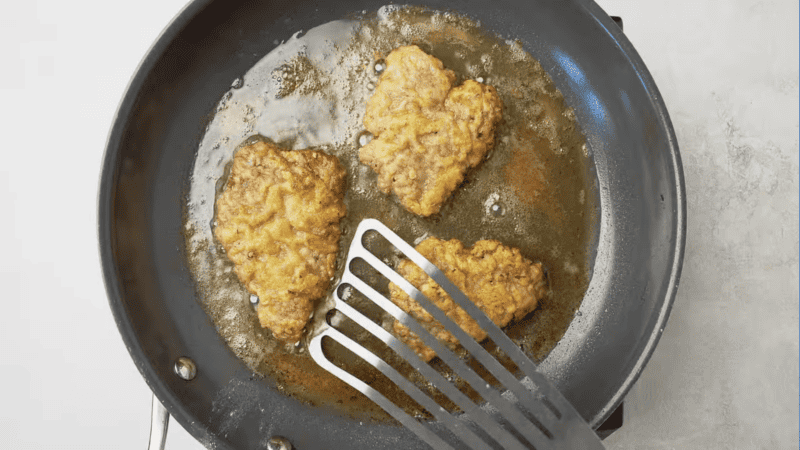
pixel 534 191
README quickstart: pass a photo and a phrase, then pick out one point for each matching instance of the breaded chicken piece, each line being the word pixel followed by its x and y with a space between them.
pixel 426 132
pixel 278 220
pixel 498 279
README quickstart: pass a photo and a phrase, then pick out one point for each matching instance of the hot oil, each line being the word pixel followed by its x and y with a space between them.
pixel 532 192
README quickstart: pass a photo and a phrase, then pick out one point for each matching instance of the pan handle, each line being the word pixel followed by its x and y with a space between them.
pixel 159 422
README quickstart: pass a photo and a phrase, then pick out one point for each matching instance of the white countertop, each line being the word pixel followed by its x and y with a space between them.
pixel 725 374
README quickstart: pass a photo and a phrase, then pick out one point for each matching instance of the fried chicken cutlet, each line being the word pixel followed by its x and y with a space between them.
pixel 498 279
pixel 278 220
pixel 427 133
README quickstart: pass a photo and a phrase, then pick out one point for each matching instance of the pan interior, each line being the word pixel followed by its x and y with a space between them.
pixel 150 160
pixel 535 191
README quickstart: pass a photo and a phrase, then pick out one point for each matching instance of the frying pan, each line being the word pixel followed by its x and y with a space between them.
pixel 148 161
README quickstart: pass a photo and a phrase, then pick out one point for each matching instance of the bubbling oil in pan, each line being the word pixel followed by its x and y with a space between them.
pixel 534 191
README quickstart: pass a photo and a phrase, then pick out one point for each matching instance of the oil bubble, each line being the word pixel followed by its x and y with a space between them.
pixel 380 66
pixel 254 299
pixel 493 207
pixel 363 138
pixel 333 317
pixel 497 210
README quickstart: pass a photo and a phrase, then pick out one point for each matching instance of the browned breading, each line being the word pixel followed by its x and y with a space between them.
pixel 278 220
pixel 426 133
pixel 497 278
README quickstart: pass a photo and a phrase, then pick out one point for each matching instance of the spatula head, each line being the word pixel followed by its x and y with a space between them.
pixel 516 413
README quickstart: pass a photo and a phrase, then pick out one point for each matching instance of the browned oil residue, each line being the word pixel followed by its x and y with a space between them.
pixel 306 379
pixel 537 171
pixel 527 175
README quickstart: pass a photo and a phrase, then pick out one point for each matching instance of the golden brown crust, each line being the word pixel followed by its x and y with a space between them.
pixel 498 279
pixel 278 220
pixel 427 133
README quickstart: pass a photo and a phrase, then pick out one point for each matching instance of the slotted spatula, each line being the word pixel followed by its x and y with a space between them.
pixel 537 417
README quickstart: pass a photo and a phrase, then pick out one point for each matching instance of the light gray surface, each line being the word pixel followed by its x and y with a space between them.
pixel 723 376
pixel 726 370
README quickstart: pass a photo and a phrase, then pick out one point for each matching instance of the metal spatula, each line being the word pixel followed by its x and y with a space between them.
pixel 537 417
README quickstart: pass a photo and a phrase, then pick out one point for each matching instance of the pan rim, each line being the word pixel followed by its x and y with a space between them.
pixel 106 188
pixel 660 109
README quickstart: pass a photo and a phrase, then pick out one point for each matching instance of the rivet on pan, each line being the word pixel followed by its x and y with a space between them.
pixel 185 368
pixel 279 443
